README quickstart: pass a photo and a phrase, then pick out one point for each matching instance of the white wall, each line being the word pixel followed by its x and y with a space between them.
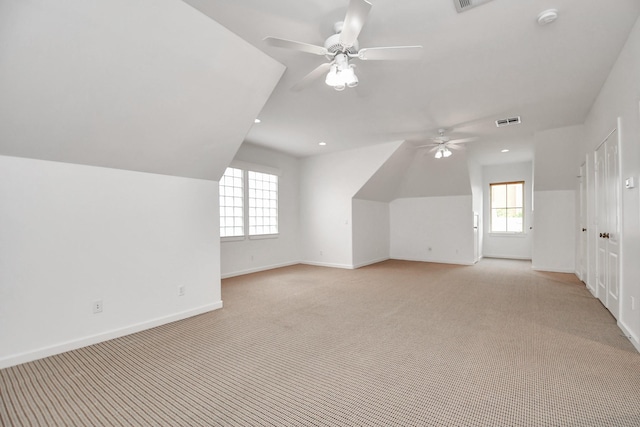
pixel 508 246
pixel 555 236
pixel 72 234
pixel 371 242
pixel 327 185
pixel 620 97
pixel 556 166
pixel 432 229
pixel 475 176
pixel 250 255
pixel 556 171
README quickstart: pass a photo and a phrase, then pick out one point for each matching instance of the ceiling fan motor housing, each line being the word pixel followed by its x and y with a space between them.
pixel 333 45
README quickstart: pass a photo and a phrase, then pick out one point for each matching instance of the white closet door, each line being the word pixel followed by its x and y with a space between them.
pixel 608 223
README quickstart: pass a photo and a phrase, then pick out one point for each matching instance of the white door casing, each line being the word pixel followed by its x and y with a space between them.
pixel 583 265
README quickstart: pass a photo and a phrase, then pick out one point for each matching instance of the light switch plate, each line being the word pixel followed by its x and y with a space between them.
pixel 629 183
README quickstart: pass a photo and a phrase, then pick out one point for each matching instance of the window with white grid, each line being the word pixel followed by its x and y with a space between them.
pixel 263 203
pixel 232 203
pixel 507 207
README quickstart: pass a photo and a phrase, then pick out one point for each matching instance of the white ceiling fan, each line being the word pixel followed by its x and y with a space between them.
pixel 442 144
pixel 343 46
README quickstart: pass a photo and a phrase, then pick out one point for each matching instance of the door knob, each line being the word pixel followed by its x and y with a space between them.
pixel 606 235
pixel 584 229
pixel 601 235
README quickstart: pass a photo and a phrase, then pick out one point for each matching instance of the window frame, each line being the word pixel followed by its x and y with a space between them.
pixel 262 195
pixel 246 170
pixel 223 194
pixel 522 207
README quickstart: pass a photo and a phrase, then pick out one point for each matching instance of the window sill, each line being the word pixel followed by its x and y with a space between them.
pixel 508 234
pixel 263 236
pixel 255 237
pixel 232 239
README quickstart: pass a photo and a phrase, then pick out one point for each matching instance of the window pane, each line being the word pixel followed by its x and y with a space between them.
pixel 231 202
pixel 498 196
pixel 507 207
pixel 514 195
pixel 263 200
pixel 514 220
pixel 498 220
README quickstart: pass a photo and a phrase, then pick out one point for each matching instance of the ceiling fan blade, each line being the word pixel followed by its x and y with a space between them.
pixel 309 78
pixel 290 44
pixel 395 53
pixel 354 20
pixel 462 140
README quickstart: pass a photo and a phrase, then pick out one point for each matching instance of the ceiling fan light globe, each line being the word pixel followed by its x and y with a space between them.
pixel 446 152
pixel 339 87
pixel 349 77
pixel 438 154
pixel 332 76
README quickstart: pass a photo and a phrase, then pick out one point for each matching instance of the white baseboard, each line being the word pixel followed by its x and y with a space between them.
pixel 17 359
pixel 327 264
pixel 364 264
pixel 633 338
pixel 523 258
pixel 257 269
pixel 554 270
pixel 435 261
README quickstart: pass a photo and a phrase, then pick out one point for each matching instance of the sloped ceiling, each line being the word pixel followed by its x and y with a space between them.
pixel 490 62
pixel 384 183
pixel 150 85
pixel 430 177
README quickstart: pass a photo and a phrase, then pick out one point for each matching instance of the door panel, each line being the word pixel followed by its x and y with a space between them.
pixel 608 223
pixel 613 226
pixel 601 221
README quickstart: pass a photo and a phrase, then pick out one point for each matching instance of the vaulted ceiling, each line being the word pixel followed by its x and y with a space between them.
pixel 489 62
pixel 127 85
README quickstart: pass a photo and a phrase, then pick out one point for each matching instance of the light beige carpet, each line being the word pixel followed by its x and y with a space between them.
pixel 393 344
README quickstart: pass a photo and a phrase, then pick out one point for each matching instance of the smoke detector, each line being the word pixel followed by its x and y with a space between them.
pixel 548 16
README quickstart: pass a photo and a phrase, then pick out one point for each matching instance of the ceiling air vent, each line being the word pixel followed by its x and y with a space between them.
pixel 508 122
pixel 462 5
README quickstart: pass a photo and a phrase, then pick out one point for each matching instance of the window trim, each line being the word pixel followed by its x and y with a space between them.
pixel 507 233
pixel 248 204
pixel 246 168
pixel 241 198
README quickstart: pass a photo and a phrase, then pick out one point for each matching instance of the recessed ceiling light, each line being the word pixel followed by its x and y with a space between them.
pixel 504 151
pixel 322 143
pixel 548 16
pixel 257 121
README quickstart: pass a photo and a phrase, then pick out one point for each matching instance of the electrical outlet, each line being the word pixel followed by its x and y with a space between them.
pixel 97 306
pixel 633 303
pixel 182 290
